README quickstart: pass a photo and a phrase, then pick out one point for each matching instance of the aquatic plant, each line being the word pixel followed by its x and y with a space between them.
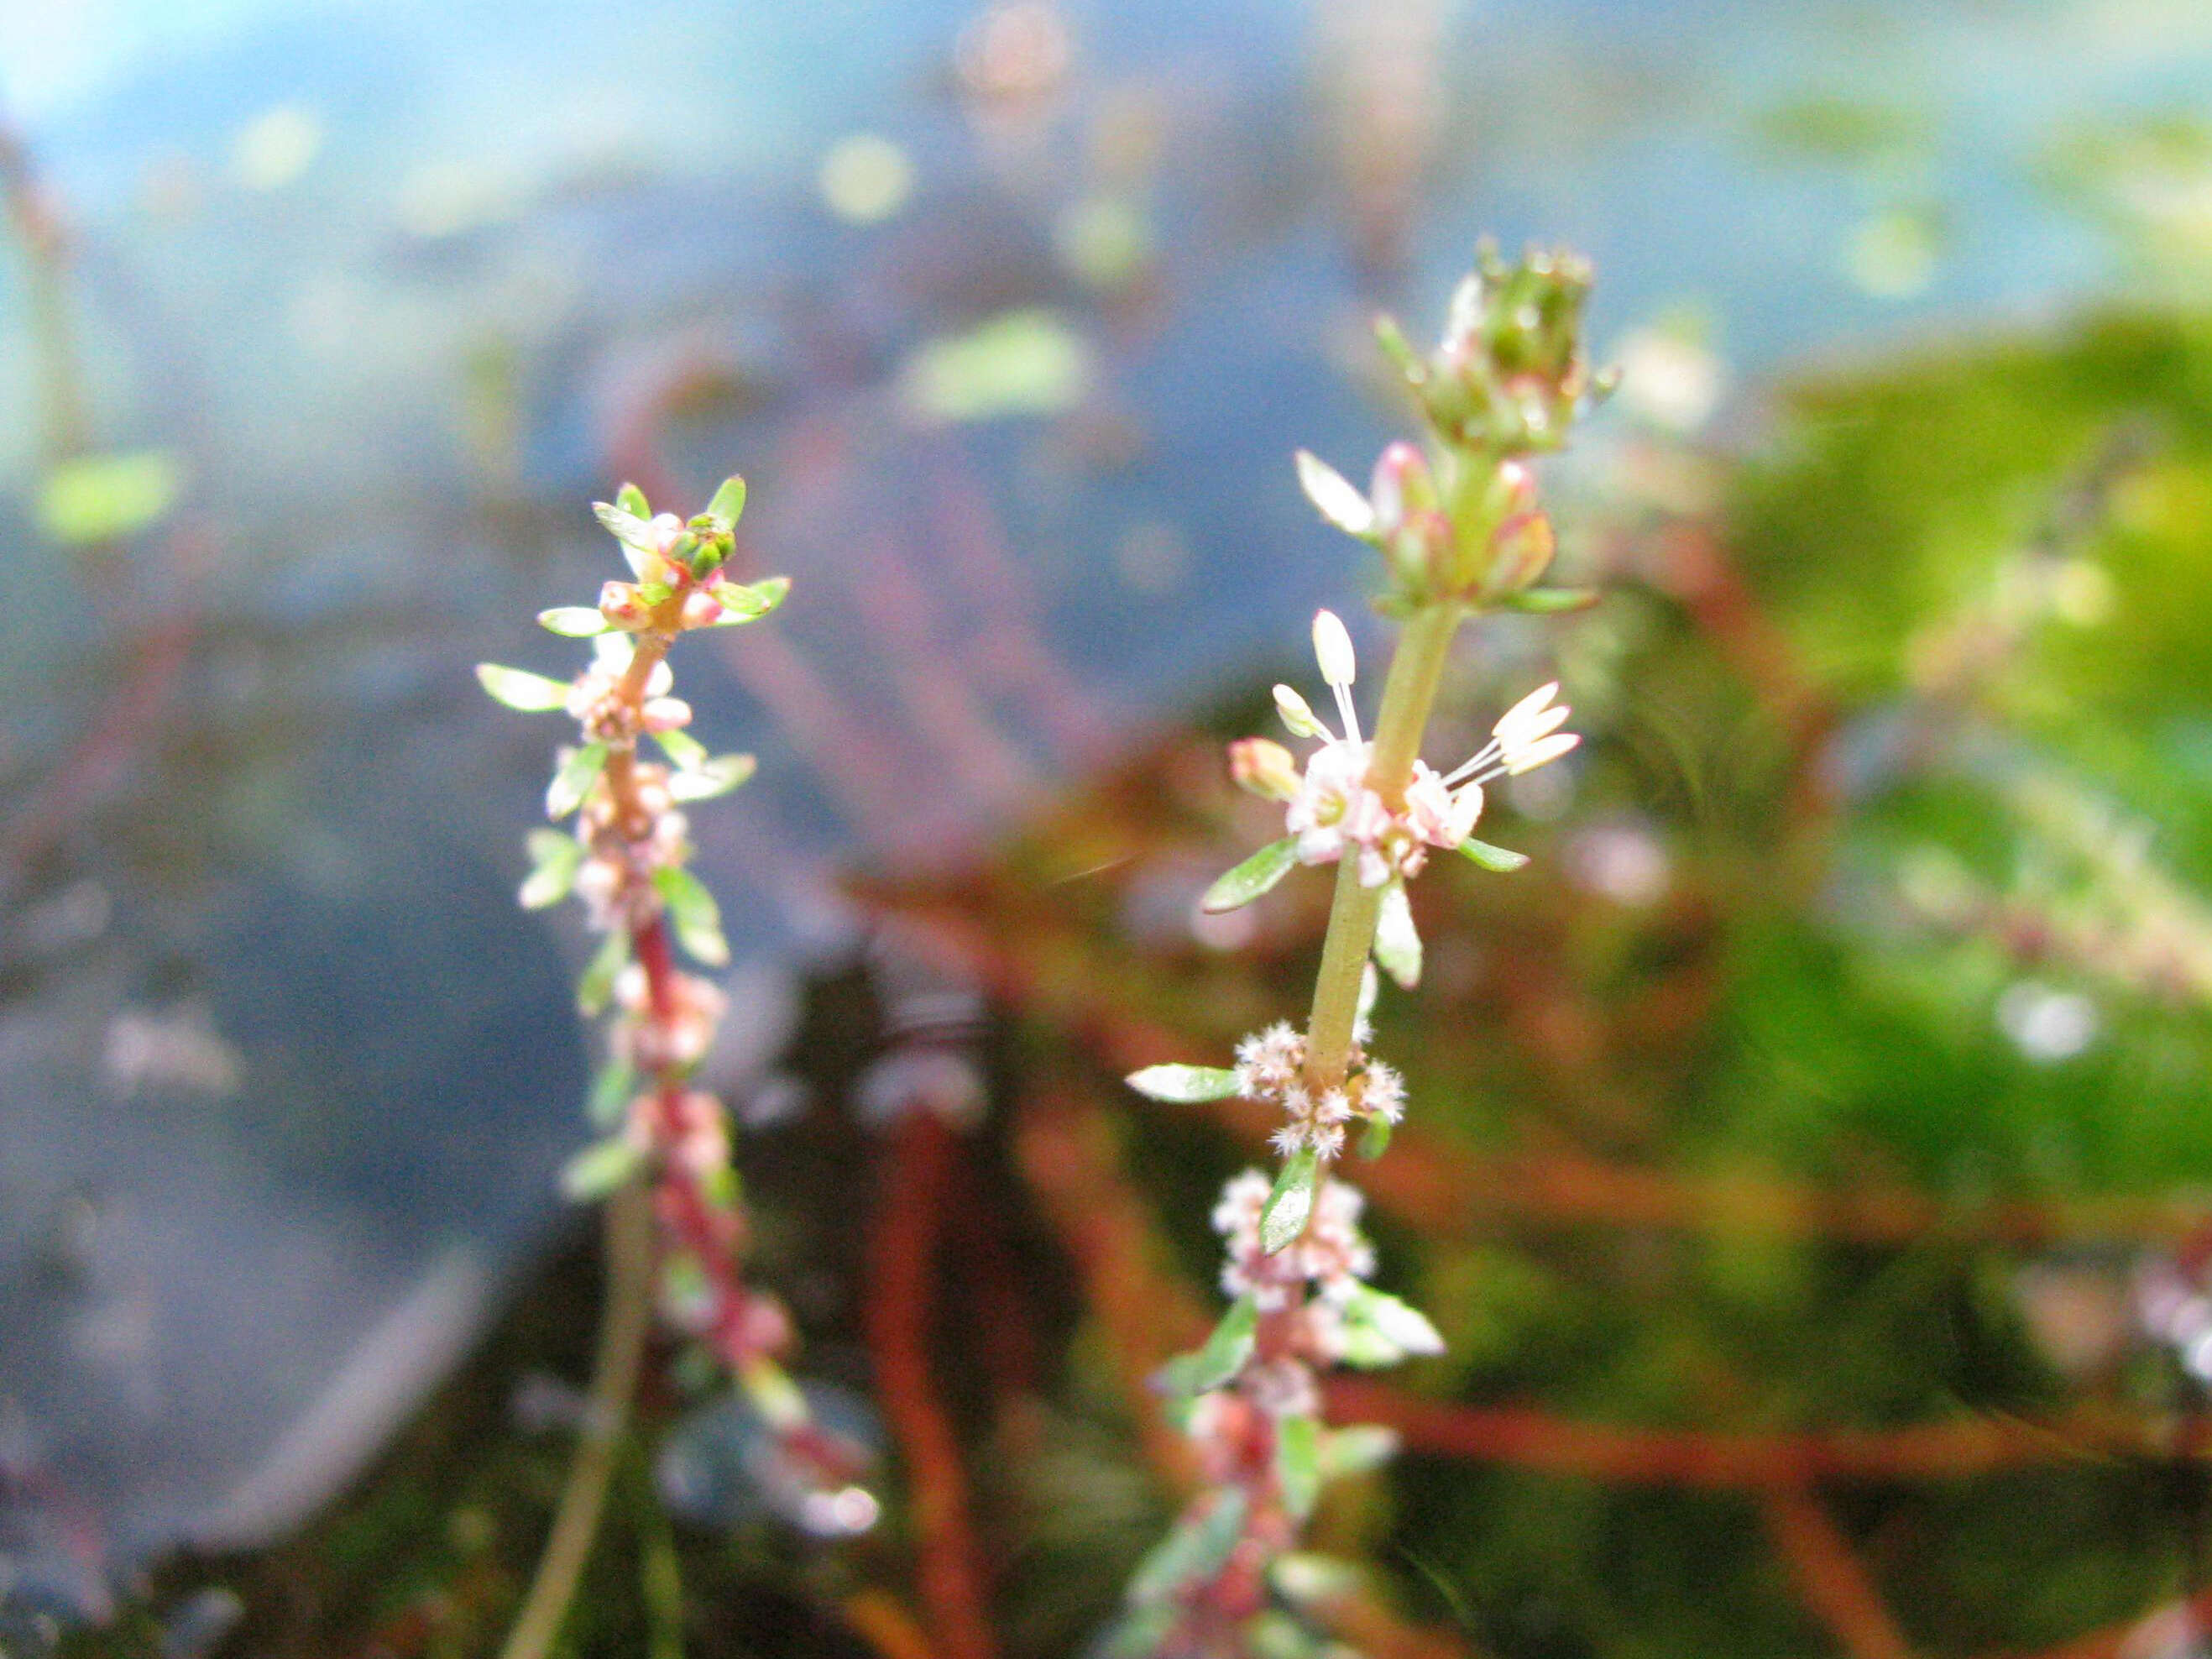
pixel 1457 523
pixel 676 1221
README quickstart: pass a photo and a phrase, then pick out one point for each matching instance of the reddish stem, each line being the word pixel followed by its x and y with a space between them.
pixel 1530 1437
pixel 902 1284
pixel 1834 1580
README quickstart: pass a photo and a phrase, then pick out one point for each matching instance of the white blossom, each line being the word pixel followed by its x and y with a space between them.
pixel 1331 811
pixel 1270 1067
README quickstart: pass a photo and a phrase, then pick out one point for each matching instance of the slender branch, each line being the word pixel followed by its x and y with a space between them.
pixel 886 1626
pixel 1530 1437
pixel 1834 1580
pixel 673 1145
pixel 902 1278
pixel 627 1317
pixel 1065 1146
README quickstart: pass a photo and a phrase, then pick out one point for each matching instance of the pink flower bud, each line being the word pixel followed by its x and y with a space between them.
pixel 667 530
pixel 701 610
pixel 1408 513
pixel 1403 486
pixel 620 605
pixel 1520 553
pixel 1264 768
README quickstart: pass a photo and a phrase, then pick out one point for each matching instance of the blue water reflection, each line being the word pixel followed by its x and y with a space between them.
pixel 395 287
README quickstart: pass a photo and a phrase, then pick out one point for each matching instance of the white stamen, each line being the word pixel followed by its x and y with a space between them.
pixel 1473 762
pixel 1521 737
pixel 1347 713
pixel 1333 646
pixel 1298 714
pixel 1549 748
pixel 1528 709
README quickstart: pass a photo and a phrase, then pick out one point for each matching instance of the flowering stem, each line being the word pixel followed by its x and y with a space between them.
pixel 622 1329
pixel 1407 696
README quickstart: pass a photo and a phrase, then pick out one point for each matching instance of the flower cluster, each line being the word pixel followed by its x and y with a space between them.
pixel 627 860
pixel 1343 1321
pixel 664 1028
pixel 1331 1253
pixel 1332 809
pixel 1253 1412
pixel 1271 1065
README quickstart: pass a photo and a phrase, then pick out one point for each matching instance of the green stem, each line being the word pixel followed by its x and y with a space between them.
pixel 623 1325
pixel 660 1570
pixel 1407 696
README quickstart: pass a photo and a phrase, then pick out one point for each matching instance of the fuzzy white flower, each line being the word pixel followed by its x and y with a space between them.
pixel 1270 1067
pixel 1333 813
pixel 1332 1254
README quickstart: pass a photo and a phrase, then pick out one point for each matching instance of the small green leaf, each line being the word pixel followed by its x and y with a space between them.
pixel 572 622
pixel 1358 1449
pixel 1297 1463
pixel 745 602
pixel 613 1090
pixel 1292 1201
pixel 722 1188
pixel 1223 1355
pixel 1397 942
pixel 698 919
pixel 1374 1139
pixel 554 859
pixel 579 770
pixel 729 502
pixel 603 1167
pixel 1379 1329
pixel 628 528
pixel 684 750
pixel 1399 350
pixel 1023 362
pixel 711 778
pixel 1183 1085
pixel 1141 1632
pixel 1502 859
pixel 1193 1552
pixel 104 498
pixel 1550 601
pixel 1240 886
pixel 518 688
pixel 631 500
pixel 1304 1578
pixel 1272 1633
pixel 1334 497
pixel 597 987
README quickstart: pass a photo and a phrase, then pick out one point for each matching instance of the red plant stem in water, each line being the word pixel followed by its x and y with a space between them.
pixel 902 1285
pixel 1835 1582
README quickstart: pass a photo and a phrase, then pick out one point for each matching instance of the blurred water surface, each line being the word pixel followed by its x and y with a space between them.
pixel 1012 315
